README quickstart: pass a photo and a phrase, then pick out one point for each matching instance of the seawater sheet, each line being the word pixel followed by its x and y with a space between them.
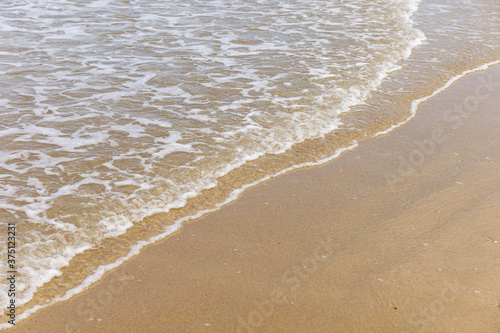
pixel 113 112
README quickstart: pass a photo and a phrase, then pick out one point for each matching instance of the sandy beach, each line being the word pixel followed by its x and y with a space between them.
pixel 399 235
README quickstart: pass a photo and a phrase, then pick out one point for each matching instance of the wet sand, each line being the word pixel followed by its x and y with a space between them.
pixel 399 235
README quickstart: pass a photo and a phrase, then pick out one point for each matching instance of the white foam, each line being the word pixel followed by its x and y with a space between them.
pixel 97 275
pixel 416 103
pixel 125 97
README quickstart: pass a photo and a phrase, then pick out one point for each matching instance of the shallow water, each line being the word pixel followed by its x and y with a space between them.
pixel 121 119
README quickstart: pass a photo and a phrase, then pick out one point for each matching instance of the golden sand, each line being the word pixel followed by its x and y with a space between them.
pixel 399 235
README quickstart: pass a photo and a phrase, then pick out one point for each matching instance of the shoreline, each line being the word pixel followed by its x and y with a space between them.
pixel 397 181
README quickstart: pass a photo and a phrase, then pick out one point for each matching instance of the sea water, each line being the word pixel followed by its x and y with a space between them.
pixel 120 120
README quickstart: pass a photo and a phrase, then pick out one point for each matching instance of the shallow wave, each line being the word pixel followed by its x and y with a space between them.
pixel 113 112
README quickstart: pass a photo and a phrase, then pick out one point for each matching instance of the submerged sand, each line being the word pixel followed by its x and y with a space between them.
pixel 399 235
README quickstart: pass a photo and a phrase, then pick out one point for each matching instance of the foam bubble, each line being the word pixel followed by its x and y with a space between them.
pixel 113 114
